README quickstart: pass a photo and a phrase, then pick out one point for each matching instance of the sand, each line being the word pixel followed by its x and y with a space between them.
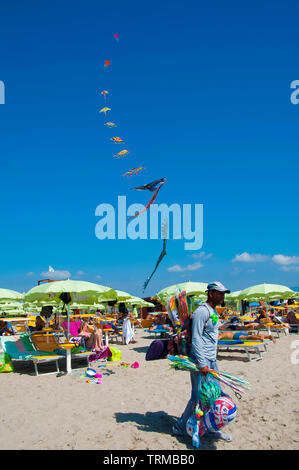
pixel 134 409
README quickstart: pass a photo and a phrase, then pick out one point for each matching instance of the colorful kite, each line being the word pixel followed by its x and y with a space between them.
pixel 104 110
pixel 116 36
pixel 134 171
pixel 162 254
pixel 117 140
pixel 107 62
pixel 121 154
pixel 110 124
pixel 104 93
pixel 150 187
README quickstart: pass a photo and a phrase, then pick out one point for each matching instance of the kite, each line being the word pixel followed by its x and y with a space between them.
pixel 121 154
pixel 150 187
pixel 134 171
pixel 117 140
pixel 104 93
pixel 116 36
pixel 104 110
pixel 162 254
pixel 107 62
pixel 110 124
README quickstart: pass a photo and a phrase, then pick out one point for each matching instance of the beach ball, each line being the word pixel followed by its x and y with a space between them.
pixel 224 410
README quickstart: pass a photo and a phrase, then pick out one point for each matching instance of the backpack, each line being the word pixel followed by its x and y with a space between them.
pixel 158 349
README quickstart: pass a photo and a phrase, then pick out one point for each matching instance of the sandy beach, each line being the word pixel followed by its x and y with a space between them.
pixel 134 409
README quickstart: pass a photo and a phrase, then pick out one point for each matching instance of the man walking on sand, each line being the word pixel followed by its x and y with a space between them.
pixel 205 324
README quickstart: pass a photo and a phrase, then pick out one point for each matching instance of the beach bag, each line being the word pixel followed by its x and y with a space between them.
pixel 115 354
pixel 5 363
pixel 158 349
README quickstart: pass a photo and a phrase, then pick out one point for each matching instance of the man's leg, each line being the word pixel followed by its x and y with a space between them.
pixel 180 426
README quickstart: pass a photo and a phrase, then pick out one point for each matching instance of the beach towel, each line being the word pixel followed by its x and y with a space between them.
pixel 74 327
pixel 127 330
pixel 230 341
pixel 106 353
pixel 158 349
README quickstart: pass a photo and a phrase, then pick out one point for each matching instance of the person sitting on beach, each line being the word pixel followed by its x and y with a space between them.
pixel 264 316
pixel 39 324
pixel 92 336
pixel 241 335
pixel 5 328
pixel 291 319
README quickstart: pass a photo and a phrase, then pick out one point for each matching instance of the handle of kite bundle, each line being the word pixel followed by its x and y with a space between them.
pixel 238 395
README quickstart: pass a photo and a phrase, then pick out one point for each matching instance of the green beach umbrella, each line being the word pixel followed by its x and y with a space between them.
pixel 266 292
pixel 191 288
pixel 7 294
pixel 78 290
pixel 138 301
pixel 122 296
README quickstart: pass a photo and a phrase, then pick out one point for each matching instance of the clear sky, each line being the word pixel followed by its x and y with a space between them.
pixel 201 95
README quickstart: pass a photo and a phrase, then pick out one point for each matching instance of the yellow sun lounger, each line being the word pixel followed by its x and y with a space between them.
pixel 250 347
pixel 48 342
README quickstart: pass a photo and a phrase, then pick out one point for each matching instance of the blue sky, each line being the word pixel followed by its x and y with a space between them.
pixel 201 96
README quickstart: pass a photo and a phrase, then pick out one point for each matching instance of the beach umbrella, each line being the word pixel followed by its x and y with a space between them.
pixel 122 296
pixel 191 288
pixel 266 292
pixel 138 301
pixel 78 290
pixel 7 294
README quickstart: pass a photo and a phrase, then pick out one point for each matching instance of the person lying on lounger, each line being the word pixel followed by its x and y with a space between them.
pixel 165 326
pixel 241 335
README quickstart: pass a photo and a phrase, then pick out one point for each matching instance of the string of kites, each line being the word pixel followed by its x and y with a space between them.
pixel 153 186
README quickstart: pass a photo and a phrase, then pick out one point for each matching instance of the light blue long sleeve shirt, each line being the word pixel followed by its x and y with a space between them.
pixel 204 335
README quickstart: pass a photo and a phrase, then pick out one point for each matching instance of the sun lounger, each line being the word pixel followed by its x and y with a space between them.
pixel 18 351
pixel 278 329
pixel 48 342
pixel 158 331
pixel 250 347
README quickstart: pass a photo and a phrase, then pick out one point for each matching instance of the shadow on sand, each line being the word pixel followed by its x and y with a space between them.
pixel 160 422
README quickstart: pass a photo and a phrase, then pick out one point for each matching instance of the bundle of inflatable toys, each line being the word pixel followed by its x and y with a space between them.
pixel 214 408
pixel 179 309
